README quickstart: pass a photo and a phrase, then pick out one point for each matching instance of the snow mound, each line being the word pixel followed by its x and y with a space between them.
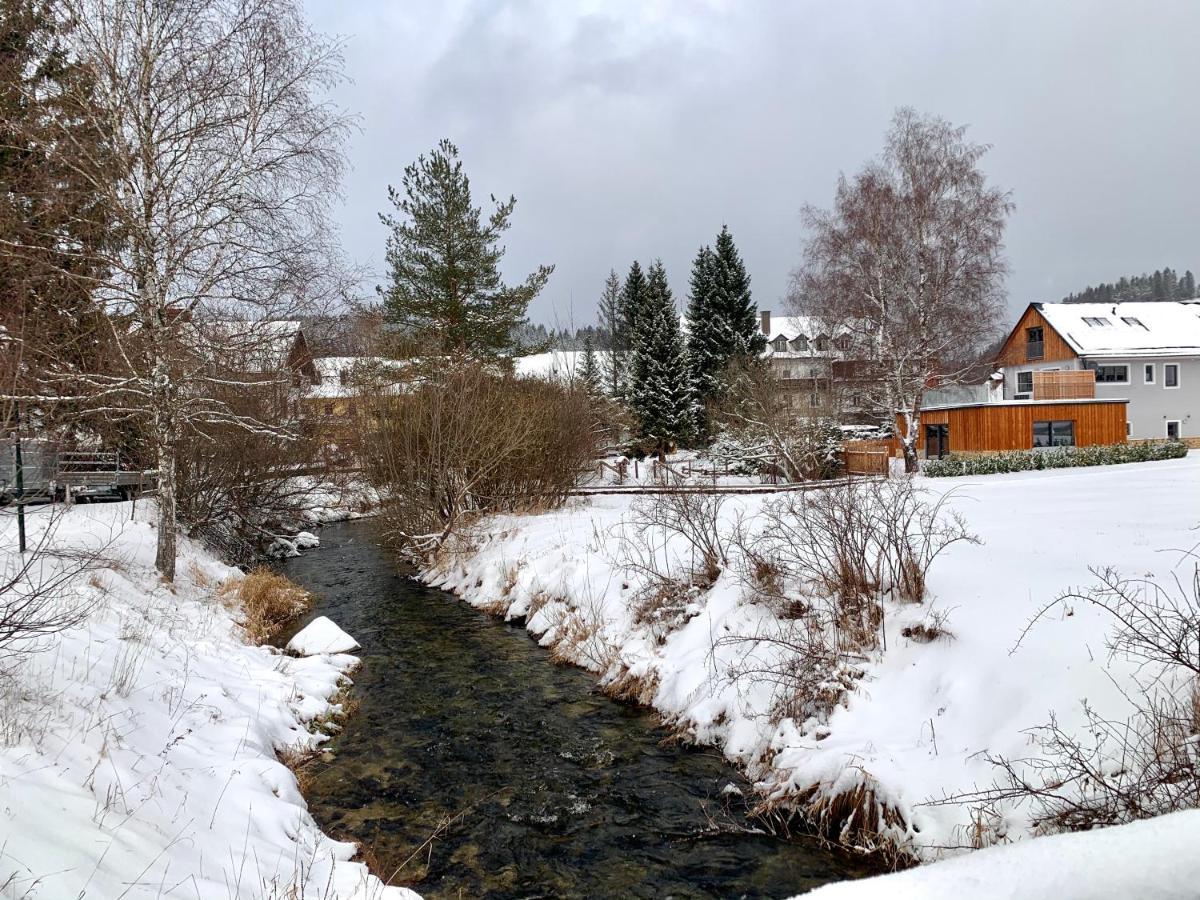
pixel 321 635
pixel 1155 858
pixel 306 540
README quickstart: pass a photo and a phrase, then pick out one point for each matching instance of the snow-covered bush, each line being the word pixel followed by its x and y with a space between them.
pixel 1053 458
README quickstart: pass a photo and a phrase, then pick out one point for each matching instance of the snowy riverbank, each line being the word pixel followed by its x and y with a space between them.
pixel 138 747
pixel 920 719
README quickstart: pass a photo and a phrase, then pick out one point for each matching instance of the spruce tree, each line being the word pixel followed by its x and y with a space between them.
pixel 722 319
pixel 445 288
pixel 732 299
pixel 709 338
pixel 660 389
pixel 589 371
pixel 616 335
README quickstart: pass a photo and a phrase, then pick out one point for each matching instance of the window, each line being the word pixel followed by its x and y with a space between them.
pixel 1170 375
pixel 1035 347
pixel 1111 374
pixel 814 401
pixel 1148 374
pixel 1054 434
pixel 842 343
pixel 1024 382
pixel 1133 322
pixel 822 344
pixel 801 344
pixel 1172 429
pixel 780 344
pixel 1096 322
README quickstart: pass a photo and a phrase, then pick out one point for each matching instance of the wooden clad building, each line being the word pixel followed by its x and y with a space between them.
pixel 1020 425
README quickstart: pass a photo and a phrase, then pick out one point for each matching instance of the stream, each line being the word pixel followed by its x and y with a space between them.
pixel 530 782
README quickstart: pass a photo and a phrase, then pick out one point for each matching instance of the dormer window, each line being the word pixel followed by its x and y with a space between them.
pixel 781 344
pixel 822 344
pixel 800 344
pixel 842 343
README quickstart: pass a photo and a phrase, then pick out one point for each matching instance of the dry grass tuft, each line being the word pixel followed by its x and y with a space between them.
pixel 267 602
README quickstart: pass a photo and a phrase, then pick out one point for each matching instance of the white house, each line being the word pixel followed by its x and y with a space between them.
pixel 1146 352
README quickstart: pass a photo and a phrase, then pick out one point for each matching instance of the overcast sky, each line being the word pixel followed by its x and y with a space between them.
pixel 635 129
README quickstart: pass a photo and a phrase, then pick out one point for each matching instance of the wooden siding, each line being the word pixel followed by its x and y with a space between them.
pixel 1071 384
pixel 1055 349
pixel 995 426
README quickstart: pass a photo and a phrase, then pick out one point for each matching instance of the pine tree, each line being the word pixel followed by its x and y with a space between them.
pixel 660 389
pixel 731 290
pixel 445 286
pixel 633 295
pixel 1187 286
pixel 612 323
pixel 589 372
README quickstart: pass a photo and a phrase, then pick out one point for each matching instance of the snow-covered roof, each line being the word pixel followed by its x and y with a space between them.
pixel 792 327
pixel 253 345
pixel 555 364
pixel 341 376
pixel 1149 328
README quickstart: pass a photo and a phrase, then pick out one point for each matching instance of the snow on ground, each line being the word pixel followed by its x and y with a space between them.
pixel 1155 859
pixel 138 749
pixel 917 723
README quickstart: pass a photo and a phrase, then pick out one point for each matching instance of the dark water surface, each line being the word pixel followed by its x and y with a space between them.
pixel 549 789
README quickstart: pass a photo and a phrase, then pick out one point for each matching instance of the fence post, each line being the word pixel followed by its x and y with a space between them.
pixel 17 461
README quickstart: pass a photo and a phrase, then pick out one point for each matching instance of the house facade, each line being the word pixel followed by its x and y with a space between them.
pixel 802 355
pixel 1145 352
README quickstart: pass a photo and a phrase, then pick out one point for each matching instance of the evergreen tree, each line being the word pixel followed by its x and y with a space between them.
pixel 660 389
pixel 731 291
pixel 444 257
pixel 613 324
pixel 55 224
pixel 1187 286
pixel 633 297
pixel 709 337
pixel 589 372
pixel 722 318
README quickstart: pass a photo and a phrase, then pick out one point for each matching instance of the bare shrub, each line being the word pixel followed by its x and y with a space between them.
pixel 759 428
pixel 267 602
pixel 1110 772
pixel 680 514
pixel 35 602
pixel 467 442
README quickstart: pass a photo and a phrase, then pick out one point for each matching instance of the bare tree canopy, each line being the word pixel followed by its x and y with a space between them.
pixel 225 154
pixel 909 265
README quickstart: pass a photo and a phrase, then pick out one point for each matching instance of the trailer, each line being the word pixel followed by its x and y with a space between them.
pixel 52 474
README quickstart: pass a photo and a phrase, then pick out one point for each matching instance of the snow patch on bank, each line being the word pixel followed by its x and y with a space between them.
pixel 917 723
pixel 138 749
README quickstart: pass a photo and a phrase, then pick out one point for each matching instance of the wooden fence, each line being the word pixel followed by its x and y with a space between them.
pixel 867 457
pixel 1068 384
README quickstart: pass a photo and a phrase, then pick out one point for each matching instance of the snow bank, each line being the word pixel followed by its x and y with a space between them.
pixel 321 635
pixel 138 749
pixel 1154 859
pixel 917 724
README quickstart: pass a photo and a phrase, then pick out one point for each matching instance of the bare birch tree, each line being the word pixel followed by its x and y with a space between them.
pixel 909 265
pixel 227 152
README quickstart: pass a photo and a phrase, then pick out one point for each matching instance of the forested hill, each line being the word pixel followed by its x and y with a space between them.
pixel 1164 284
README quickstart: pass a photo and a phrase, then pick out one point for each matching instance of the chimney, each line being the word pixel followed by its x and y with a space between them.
pixel 765 317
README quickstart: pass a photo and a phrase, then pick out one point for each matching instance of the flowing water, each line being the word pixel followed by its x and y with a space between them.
pixel 530 783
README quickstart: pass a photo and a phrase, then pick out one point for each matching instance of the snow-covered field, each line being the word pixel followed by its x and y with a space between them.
pixel 138 749
pixel 916 726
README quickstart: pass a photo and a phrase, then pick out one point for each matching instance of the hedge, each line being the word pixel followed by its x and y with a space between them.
pixel 1053 458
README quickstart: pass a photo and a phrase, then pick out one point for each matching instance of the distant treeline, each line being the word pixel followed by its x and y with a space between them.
pixel 535 337
pixel 1163 284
